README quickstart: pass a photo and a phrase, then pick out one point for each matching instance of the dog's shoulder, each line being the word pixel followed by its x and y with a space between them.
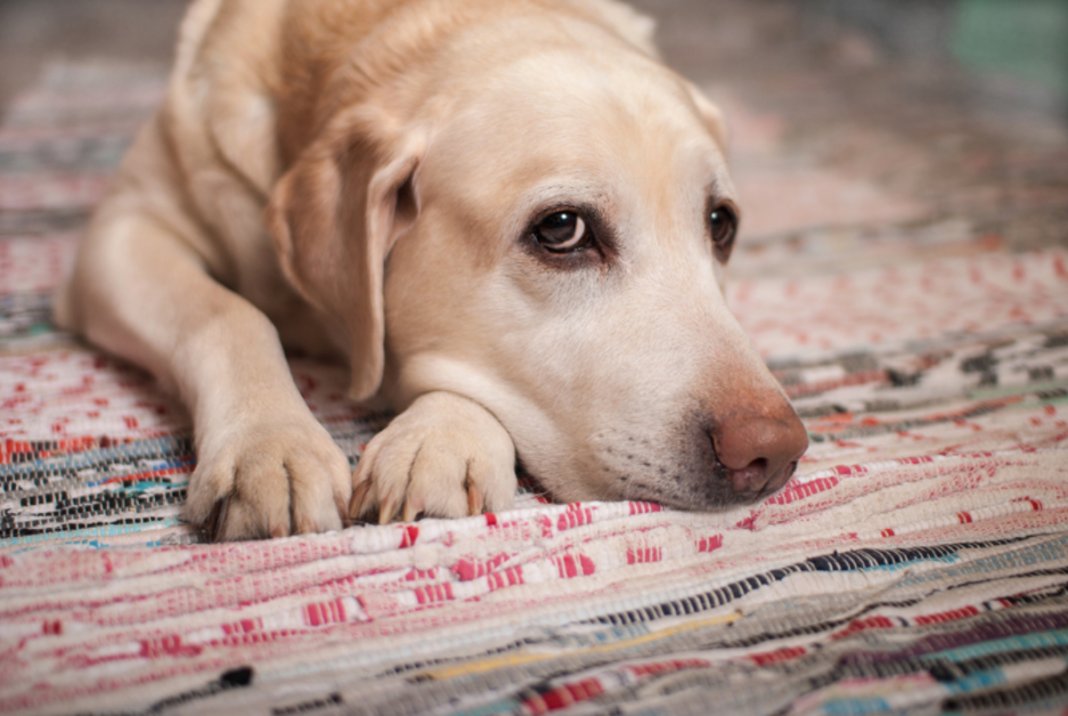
pixel 250 77
pixel 218 103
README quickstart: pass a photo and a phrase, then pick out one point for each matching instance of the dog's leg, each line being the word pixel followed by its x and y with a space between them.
pixel 265 466
pixel 444 456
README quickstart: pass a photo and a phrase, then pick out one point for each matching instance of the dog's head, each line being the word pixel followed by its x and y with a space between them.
pixel 549 239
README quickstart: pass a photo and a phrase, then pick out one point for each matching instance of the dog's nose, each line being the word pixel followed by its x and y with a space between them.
pixel 759 453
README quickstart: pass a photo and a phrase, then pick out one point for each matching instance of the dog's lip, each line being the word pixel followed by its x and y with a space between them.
pixel 717 500
pixel 689 502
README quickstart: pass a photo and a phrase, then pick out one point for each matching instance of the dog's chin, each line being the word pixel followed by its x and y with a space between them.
pixel 695 490
pixel 704 498
pixel 708 492
pixel 677 468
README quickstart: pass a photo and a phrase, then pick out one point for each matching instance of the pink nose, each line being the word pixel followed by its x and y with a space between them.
pixel 759 452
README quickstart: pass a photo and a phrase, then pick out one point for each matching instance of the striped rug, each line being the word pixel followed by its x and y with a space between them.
pixel 917 563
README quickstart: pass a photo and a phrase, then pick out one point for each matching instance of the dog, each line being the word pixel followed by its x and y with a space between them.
pixel 511 219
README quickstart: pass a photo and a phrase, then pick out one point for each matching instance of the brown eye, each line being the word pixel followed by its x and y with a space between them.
pixel 723 224
pixel 562 232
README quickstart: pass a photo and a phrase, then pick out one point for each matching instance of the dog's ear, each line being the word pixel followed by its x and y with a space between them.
pixel 334 216
pixel 711 115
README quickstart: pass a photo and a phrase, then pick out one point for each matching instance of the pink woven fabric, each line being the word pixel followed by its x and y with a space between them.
pixel 917 560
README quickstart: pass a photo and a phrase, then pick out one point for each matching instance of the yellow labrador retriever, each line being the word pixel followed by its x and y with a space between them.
pixel 508 217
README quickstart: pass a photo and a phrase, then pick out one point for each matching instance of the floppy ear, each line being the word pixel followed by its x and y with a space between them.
pixel 334 217
pixel 711 115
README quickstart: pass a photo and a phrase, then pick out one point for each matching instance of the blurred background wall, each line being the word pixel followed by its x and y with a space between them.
pixel 1003 41
pixel 1020 46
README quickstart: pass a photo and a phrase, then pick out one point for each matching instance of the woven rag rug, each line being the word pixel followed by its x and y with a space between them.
pixel 918 562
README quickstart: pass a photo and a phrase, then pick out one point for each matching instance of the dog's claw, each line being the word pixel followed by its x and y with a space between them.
pixel 411 510
pixel 475 501
pixel 387 510
pixel 359 497
pixel 212 526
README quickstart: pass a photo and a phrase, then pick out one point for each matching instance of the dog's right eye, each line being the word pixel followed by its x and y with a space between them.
pixel 562 232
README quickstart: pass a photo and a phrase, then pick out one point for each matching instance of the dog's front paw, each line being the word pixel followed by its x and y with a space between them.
pixel 444 456
pixel 269 479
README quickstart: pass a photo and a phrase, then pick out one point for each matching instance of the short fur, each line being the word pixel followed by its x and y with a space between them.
pixel 357 178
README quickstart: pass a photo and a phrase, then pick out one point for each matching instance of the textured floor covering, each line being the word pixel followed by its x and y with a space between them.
pixel 917 563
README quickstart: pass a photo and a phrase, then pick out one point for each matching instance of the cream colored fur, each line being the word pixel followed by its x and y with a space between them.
pixel 354 178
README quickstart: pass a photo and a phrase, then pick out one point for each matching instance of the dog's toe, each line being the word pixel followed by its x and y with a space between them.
pixel 269 481
pixel 443 457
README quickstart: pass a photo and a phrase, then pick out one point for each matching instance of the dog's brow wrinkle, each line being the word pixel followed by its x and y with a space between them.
pixel 713 190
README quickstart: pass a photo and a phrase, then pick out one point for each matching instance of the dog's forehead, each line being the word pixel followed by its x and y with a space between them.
pixel 572 119
pixel 567 96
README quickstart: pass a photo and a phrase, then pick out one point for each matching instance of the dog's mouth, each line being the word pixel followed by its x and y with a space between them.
pixel 720 489
pixel 683 486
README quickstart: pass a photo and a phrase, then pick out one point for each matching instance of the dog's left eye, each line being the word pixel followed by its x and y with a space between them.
pixel 563 231
pixel 723 223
